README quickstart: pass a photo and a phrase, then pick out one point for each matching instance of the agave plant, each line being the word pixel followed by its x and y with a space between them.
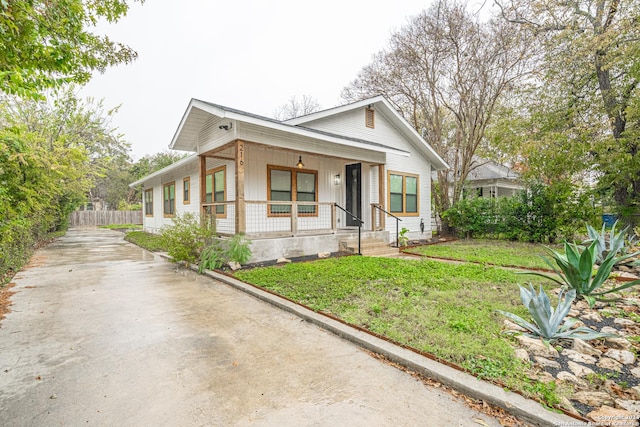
pixel 616 243
pixel 576 270
pixel 547 322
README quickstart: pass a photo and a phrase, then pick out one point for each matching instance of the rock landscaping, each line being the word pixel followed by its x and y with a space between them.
pixel 598 378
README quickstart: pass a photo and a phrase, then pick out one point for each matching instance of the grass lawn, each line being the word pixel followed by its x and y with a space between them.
pixel 122 226
pixel 496 252
pixel 444 309
pixel 148 241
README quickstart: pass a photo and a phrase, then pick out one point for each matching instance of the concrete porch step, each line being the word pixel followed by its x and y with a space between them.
pixel 369 247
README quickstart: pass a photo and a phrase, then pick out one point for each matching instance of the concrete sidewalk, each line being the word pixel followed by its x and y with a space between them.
pixel 104 333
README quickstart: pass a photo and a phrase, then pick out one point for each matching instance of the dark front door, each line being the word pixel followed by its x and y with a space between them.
pixel 354 193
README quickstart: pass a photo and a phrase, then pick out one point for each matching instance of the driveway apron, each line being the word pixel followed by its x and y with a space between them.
pixel 102 332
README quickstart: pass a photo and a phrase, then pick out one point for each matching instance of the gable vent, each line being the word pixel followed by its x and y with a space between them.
pixel 369 115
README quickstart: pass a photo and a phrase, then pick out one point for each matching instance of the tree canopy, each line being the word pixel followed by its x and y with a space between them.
pixel 49 43
pixel 583 106
pixel 446 71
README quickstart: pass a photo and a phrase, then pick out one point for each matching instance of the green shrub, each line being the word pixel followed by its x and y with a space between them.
pixel 540 214
pixel 402 238
pixel 185 239
pixel 214 256
pixel 17 241
pixel 238 249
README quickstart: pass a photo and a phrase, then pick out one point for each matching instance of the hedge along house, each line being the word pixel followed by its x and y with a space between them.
pixel 297 187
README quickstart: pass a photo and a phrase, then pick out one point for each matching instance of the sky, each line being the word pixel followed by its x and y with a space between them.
pixel 252 55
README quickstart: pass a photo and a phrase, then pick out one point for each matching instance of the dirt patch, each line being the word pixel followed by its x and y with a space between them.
pixel 5 299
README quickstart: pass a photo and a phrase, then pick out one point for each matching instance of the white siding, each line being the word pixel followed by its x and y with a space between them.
pixel 190 170
pixel 352 123
pixel 211 136
pixel 257 159
pixel 417 165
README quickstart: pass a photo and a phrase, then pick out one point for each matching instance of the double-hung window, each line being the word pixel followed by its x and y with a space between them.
pixel 186 190
pixel 215 189
pixel 169 198
pixel 403 193
pixel 148 202
pixel 291 185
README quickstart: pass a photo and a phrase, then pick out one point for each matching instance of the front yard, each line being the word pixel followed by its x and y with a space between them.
pixel 448 309
pixel 445 309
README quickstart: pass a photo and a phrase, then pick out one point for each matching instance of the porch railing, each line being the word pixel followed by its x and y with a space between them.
pixel 281 219
pixel 375 208
pixel 360 222
pixel 274 218
pixel 220 216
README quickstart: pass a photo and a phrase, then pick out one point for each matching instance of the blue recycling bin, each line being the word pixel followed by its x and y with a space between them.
pixel 609 219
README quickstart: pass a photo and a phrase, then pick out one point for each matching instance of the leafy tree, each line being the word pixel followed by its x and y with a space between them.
pixel 446 72
pixel 143 167
pixel 83 125
pixel 154 162
pixel 590 74
pixel 50 157
pixel 48 43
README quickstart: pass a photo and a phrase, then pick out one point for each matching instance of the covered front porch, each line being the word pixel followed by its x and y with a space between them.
pixel 267 192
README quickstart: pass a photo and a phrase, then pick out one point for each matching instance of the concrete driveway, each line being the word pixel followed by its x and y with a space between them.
pixel 104 333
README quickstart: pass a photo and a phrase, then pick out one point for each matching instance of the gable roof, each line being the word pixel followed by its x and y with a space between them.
pixel 197 112
pixel 492 170
pixel 381 104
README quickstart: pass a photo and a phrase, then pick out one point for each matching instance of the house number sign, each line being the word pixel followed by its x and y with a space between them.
pixel 241 154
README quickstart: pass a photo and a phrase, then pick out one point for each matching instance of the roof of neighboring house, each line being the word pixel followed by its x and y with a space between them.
pixel 492 170
pixel 185 137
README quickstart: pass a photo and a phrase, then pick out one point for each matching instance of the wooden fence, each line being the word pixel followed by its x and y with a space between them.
pixel 95 218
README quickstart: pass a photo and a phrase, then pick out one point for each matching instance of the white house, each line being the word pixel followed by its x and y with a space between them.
pixel 491 179
pixel 300 186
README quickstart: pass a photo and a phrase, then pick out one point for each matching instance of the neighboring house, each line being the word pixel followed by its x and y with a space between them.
pixel 491 179
pixel 285 184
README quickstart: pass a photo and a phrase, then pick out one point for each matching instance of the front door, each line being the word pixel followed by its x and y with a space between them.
pixel 354 193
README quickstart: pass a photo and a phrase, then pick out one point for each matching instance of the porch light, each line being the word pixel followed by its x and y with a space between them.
pixel 336 179
pixel 300 164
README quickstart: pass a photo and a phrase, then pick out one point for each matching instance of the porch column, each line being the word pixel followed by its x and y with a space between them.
pixel 381 193
pixel 203 182
pixel 241 218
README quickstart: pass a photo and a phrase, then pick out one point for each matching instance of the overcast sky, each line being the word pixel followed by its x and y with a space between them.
pixel 252 55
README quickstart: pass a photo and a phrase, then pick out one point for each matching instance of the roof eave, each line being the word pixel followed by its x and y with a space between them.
pixel 164 170
pixel 232 115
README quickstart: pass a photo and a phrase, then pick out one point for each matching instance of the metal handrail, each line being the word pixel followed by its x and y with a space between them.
pixel 397 224
pixel 360 222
